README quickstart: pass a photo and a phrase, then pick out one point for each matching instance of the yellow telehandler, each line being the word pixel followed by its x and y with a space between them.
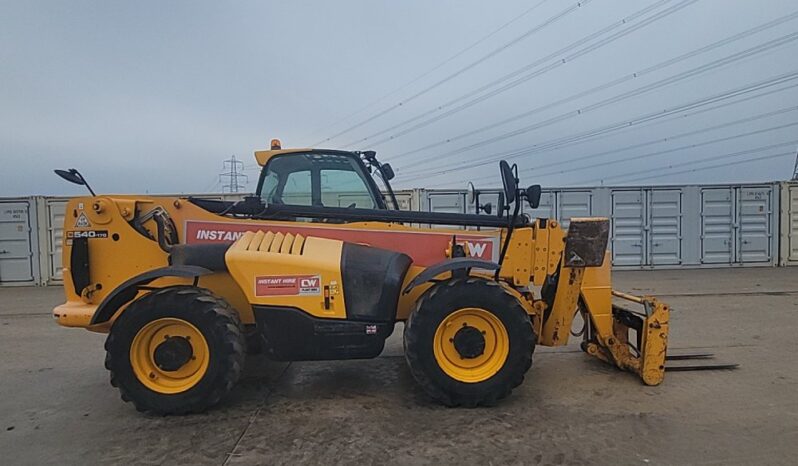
pixel 319 265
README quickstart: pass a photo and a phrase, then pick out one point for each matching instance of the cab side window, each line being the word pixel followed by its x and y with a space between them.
pixel 297 189
pixel 345 188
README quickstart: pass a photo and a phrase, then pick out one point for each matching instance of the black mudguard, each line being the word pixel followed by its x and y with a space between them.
pixel 128 289
pixel 450 265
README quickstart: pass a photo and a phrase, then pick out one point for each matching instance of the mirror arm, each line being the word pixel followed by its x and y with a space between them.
pixel 372 160
pixel 389 188
pixel 86 184
pixel 505 246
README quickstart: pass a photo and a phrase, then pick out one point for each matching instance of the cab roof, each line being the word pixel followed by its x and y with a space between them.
pixel 263 156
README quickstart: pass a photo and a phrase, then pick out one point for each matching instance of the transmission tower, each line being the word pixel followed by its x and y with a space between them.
pixel 234 170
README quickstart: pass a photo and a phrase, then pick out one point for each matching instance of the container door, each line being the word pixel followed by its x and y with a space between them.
pixel 16 252
pixel 545 209
pixel 405 200
pixel 446 202
pixel 628 234
pixel 753 220
pixel 792 224
pixel 55 239
pixel 665 227
pixel 574 204
pixel 717 225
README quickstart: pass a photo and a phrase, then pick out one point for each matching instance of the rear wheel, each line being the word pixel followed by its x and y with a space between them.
pixel 177 350
pixel 468 342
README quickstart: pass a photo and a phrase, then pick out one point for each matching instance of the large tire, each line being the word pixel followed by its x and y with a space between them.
pixel 189 375
pixel 458 304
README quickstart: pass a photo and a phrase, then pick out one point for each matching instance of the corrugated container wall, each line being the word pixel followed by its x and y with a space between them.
pixel 663 226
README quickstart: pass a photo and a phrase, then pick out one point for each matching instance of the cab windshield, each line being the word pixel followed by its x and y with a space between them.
pixel 320 179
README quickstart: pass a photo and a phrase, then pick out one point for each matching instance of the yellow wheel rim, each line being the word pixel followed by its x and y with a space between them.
pixel 475 368
pixel 142 356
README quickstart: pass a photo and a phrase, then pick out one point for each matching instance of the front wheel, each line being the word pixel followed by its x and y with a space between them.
pixel 468 342
pixel 177 350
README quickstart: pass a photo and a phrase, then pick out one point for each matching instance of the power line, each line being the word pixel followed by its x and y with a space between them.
pixel 599 134
pixel 604 86
pixel 210 187
pixel 633 93
pixel 236 171
pixel 431 70
pixel 653 142
pixel 669 151
pixel 551 20
pixel 659 174
pixel 528 150
pixel 558 60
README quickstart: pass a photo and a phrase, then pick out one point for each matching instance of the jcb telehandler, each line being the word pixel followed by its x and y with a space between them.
pixel 316 266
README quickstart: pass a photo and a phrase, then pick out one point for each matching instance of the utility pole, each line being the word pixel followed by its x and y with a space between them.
pixel 234 170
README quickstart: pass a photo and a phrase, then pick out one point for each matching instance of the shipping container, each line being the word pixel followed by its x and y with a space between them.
pixel 19 260
pixel 650 226
pixel 788 234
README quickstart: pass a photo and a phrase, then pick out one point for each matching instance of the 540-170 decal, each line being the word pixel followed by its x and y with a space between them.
pixel 87 234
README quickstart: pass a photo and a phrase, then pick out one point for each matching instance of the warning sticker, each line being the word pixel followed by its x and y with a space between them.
pixel 288 285
pixel 82 221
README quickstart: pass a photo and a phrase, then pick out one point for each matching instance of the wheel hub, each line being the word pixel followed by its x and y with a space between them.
pixel 471 345
pixel 469 342
pixel 173 353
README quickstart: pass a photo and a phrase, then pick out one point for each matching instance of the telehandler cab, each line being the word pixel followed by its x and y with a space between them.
pixel 316 266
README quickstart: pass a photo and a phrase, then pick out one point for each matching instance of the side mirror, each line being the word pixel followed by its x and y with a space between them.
pixel 533 195
pixel 72 176
pixel 471 192
pixel 508 182
pixel 387 171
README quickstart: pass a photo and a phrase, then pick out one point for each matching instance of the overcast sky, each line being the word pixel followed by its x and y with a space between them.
pixel 152 96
